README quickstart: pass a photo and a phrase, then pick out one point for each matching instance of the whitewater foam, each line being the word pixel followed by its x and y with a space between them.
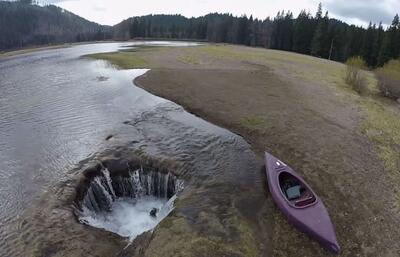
pixel 122 205
pixel 130 217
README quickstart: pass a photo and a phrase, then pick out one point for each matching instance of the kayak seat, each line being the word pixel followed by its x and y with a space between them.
pixel 305 201
pixel 293 192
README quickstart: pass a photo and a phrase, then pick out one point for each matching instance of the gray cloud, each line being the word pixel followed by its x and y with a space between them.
pixel 99 9
pixel 364 10
pixel 358 12
pixel 55 1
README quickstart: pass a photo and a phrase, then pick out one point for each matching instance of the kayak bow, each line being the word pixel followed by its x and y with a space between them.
pixel 298 202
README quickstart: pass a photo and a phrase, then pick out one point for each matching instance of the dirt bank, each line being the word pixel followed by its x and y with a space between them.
pixel 298 108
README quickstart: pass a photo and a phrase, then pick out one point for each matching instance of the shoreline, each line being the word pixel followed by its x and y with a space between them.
pixel 312 126
pixel 292 106
pixel 32 49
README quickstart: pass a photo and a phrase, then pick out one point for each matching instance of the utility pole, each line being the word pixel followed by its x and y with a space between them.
pixel 331 50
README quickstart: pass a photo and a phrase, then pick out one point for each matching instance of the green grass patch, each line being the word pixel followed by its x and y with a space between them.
pixel 122 60
pixel 252 121
pixel 223 52
pixel 142 48
pixel 190 59
pixel 260 55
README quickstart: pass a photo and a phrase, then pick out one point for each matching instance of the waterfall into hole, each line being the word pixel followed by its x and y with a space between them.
pixel 128 204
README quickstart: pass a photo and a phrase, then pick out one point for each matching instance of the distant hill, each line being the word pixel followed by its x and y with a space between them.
pixel 24 24
pixel 156 26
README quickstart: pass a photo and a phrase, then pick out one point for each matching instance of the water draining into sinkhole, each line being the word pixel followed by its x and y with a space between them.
pixel 128 203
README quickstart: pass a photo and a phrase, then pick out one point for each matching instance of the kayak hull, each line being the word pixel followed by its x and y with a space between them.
pixel 312 218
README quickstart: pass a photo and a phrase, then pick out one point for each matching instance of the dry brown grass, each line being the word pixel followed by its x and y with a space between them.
pixel 389 79
pixel 354 76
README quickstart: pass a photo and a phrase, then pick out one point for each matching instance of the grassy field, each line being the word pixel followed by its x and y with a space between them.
pixel 299 108
pixel 122 60
pixel 381 116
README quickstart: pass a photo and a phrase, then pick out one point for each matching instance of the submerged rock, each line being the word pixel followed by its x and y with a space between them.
pixel 153 212
pixel 102 78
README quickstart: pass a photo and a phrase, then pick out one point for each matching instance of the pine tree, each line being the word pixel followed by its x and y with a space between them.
pixel 287 35
pixel 379 33
pixel 250 32
pixel 319 40
pixel 303 33
pixel 368 42
pixel 134 30
pixel 318 15
pixel 396 37
pixel 26 1
pixel 391 43
pixel 243 30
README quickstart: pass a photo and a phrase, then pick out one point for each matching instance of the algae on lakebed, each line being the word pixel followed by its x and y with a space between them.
pixel 123 59
pixel 252 121
pixel 213 241
pixel 190 59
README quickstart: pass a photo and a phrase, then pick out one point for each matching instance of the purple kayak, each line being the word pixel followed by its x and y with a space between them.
pixel 299 203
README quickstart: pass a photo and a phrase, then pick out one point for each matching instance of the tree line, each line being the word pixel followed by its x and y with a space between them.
pixel 23 23
pixel 317 35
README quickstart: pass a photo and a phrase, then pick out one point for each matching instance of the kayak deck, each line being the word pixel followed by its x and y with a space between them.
pixel 299 203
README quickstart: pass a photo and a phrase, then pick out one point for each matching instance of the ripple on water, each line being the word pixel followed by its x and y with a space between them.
pixel 53 114
pixel 59 120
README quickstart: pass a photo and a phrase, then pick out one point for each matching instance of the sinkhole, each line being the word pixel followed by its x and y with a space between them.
pixel 127 202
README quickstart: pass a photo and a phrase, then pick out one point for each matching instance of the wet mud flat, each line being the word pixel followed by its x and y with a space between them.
pixel 217 213
pixel 297 108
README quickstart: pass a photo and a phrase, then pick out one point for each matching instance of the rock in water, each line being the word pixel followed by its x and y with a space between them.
pixel 153 212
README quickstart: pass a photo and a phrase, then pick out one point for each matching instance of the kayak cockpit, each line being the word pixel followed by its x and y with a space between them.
pixel 295 192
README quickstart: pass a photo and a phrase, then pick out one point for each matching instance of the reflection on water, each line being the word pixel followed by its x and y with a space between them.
pixel 54 112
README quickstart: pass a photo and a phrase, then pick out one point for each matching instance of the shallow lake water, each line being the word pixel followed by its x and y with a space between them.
pixel 57 108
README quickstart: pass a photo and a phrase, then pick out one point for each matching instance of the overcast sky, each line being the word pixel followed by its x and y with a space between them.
pixel 110 12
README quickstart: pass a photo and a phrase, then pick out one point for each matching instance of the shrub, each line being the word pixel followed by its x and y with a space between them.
pixel 389 79
pixel 354 74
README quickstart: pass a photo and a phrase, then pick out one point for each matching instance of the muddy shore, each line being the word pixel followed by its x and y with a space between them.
pixel 294 106
pixel 276 105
